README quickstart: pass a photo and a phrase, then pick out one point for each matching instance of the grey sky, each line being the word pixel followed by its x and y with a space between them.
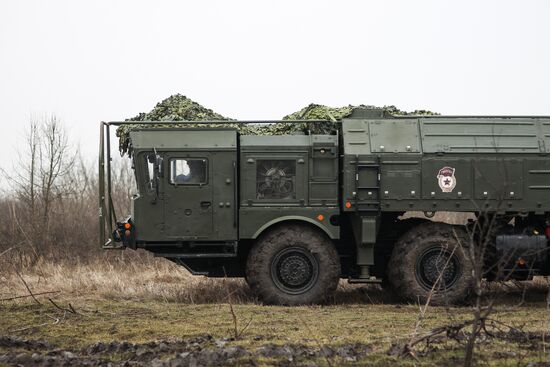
pixel 105 60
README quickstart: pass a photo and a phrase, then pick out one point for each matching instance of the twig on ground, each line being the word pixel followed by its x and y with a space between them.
pixel 407 348
pixel 26 286
pixel 28 295
pixel 548 294
pixel 234 317
pixel 6 251
pixel 543 343
pixel 70 309
pixel 55 322
pixel 56 319
pixel 28 327
pixel 236 332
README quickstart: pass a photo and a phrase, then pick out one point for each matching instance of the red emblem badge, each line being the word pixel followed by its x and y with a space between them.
pixel 446 179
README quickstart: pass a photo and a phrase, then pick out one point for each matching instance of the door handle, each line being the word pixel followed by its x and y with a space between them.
pixel 205 204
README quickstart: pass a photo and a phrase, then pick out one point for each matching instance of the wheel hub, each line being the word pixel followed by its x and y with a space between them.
pixel 437 265
pixel 294 270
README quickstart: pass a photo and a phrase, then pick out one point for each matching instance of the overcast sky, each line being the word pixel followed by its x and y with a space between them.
pixel 87 61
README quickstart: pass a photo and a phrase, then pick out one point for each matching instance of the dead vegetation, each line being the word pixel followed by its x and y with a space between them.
pixel 119 276
pixel 165 316
pixel 360 327
pixel 65 302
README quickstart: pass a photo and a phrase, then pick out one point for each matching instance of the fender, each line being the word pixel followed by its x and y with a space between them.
pixel 297 218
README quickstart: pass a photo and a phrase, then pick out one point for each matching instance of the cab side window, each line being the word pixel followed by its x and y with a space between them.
pixel 188 171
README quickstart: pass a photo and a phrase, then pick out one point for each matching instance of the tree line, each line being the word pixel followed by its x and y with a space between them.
pixel 49 202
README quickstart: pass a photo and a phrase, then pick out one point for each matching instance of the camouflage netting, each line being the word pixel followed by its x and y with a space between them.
pixel 173 108
pixel 181 108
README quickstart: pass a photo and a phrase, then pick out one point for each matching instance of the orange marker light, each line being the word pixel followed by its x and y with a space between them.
pixel 320 217
pixel 127 225
pixel 348 204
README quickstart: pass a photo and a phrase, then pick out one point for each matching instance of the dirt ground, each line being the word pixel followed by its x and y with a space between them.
pixel 362 325
pixel 130 309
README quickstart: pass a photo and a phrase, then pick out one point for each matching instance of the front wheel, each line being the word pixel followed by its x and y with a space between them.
pixel 293 265
pixel 430 262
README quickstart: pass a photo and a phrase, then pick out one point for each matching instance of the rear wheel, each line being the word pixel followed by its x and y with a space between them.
pixel 389 235
pixel 430 261
pixel 293 265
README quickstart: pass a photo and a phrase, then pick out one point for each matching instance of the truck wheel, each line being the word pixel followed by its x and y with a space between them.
pixel 293 265
pixel 428 257
pixel 389 238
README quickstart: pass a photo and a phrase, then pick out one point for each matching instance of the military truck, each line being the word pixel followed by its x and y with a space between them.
pixel 294 214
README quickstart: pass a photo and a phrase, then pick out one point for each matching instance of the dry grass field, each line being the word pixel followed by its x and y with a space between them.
pixel 130 309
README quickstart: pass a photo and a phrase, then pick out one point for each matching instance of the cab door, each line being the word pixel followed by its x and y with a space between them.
pixel 200 181
pixel 188 196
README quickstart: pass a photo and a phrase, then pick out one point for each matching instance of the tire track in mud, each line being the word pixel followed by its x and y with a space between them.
pixel 204 350
pixel 199 351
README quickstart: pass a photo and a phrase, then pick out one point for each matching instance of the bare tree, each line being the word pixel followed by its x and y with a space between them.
pixel 57 158
pixel 38 180
pixel 478 239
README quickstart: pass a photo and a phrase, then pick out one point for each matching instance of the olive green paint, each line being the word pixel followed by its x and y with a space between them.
pixel 372 165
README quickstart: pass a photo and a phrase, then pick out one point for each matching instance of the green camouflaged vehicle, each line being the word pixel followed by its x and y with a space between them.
pixel 294 214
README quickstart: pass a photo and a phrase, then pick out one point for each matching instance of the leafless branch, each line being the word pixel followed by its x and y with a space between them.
pixel 236 332
pixel 28 327
pixel 28 295
pixel 26 286
pixel 408 348
pixel 6 251
pixel 70 309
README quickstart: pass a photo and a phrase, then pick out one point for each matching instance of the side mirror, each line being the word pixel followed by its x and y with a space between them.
pixel 156 161
pixel 157 166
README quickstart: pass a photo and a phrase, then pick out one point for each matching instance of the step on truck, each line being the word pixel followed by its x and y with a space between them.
pixel 295 214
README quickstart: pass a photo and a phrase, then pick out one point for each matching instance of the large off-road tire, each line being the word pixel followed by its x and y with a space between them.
pixel 431 261
pixel 293 265
pixel 390 236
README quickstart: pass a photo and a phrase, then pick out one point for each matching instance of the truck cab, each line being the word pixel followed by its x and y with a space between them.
pixel 187 186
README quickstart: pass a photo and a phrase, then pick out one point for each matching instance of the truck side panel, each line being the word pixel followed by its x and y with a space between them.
pixel 288 178
pixel 446 164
